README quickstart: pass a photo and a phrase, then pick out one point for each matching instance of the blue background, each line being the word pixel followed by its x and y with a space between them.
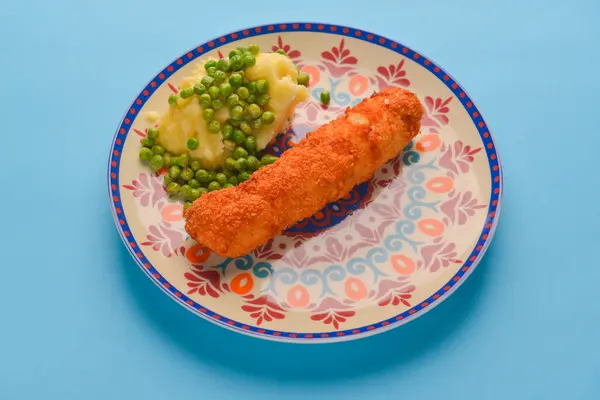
pixel 81 321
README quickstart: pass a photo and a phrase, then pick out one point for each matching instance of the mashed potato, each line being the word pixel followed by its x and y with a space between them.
pixel 184 120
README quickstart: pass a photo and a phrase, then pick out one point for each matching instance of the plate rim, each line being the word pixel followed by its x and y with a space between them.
pixel 466 269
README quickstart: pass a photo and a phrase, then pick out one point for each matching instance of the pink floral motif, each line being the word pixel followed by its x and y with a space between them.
pixel 460 206
pixel 393 76
pixel 457 158
pixel 267 252
pixel 147 188
pixel 338 60
pixel 435 112
pixel 204 282
pixel 394 292
pixel 298 256
pixel 369 236
pixel 331 311
pixel 264 308
pixel 439 254
pixel 165 239
pixel 140 133
pixel 293 54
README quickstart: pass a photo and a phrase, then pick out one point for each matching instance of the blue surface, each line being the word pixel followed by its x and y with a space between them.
pixel 81 321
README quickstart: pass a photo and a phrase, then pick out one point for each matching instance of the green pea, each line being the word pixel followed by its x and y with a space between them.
pixel 236 112
pixel 238 136
pixel 214 126
pixel 243 176
pixel 210 64
pixel 186 93
pixel 217 104
pixel 205 100
pixel 235 122
pixel 187 173
pixel 256 124
pixel 242 49
pixel 245 81
pixel 234 53
pixel 281 51
pixel 158 149
pixel 236 63
pixel 232 100
pixel 303 79
pixel 145 154
pixel 208 114
pixel 174 171
pixel 157 162
pixel 192 143
pixel 245 127
pixel 230 163
pixel 241 164
pixel 243 92
pixel 173 188
pixel 211 71
pixel 243 103
pixel 166 180
pixel 252 87
pixel 214 186
pixel 183 160
pixel 199 88
pixel 214 92
pixel 267 118
pixel 168 159
pixel 262 86
pixel 227 185
pixel 195 194
pixel 212 175
pixel 202 176
pixel 253 163
pixel 223 64
pixel 221 178
pixel 225 89
pixel 147 142
pixel 233 180
pixel 251 99
pixel 254 49
pixel 186 206
pixel 249 60
pixel 207 81
pixel 153 133
pixel 325 97
pixel 250 143
pixel 235 80
pixel 227 131
pixel 185 191
pixel 263 99
pixel 173 99
pixel 229 144
pixel 239 152
pixel 194 183
pixel 195 165
pixel 220 77
pixel 268 159
pixel 254 111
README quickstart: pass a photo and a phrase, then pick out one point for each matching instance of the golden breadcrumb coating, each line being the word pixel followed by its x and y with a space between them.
pixel 321 168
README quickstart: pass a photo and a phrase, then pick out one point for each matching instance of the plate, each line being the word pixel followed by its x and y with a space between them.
pixel 391 250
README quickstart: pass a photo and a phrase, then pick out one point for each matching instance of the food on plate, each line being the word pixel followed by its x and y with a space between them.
pixel 321 168
pixel 226 111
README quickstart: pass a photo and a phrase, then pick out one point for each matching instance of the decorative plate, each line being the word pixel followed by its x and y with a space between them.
pixel 395 247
